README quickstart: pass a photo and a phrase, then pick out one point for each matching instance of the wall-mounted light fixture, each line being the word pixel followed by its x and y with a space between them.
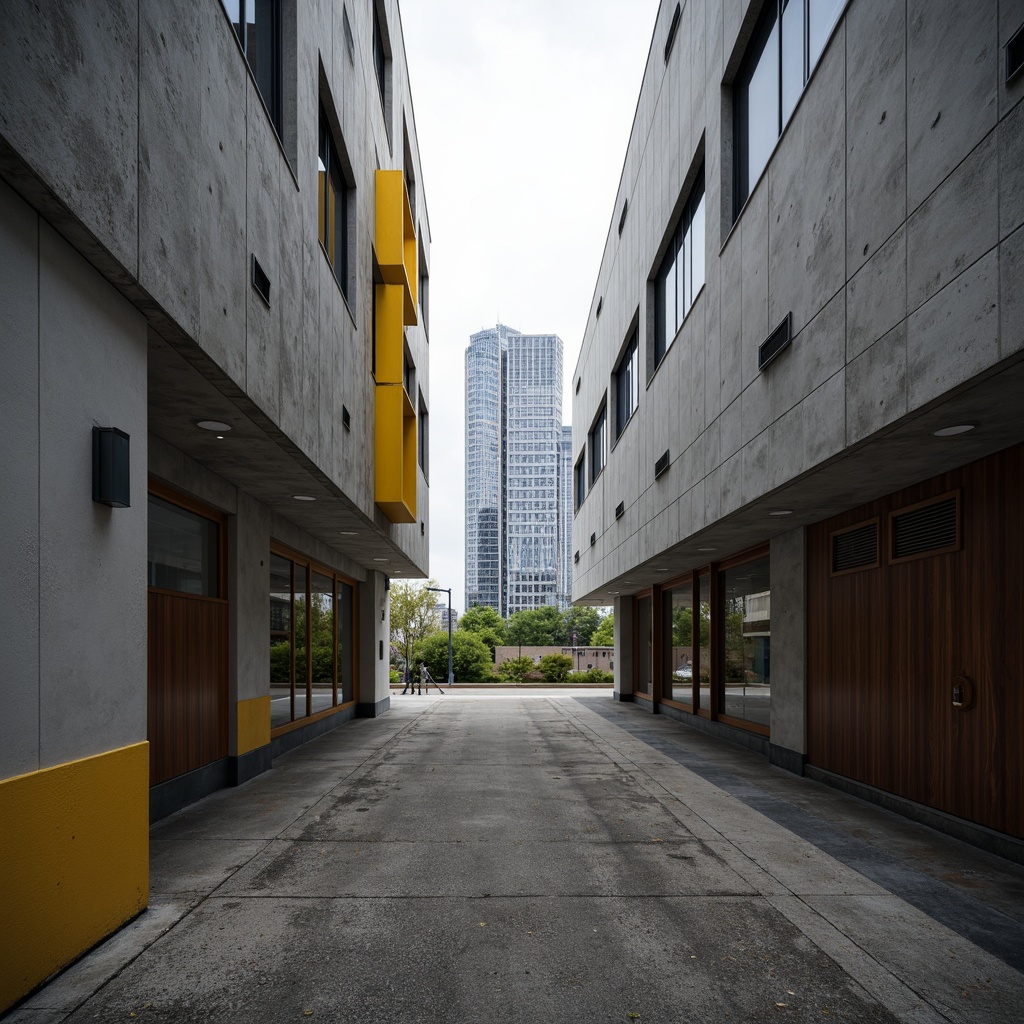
pixel 111 467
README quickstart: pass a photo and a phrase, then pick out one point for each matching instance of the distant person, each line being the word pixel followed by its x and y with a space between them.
pixel 409 685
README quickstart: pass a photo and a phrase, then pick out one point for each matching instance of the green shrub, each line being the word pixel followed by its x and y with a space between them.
pixel 555 668
pixel 594 677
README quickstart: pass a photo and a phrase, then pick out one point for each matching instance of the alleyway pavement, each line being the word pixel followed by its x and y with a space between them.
pixel 550 858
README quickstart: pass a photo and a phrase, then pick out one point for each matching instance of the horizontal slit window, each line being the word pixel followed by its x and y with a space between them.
pixel 930 528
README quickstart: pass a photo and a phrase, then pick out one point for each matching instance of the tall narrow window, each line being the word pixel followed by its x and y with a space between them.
pixel 579 482
pixel 787 42
pixel 379 56
pixel 746 631
pixel 257 23
pixel 599 444
pixel 627 385
pixel 681 274
pixel 333 205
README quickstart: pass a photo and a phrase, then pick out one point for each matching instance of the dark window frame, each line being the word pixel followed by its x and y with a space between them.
pixel 380 58
pixel 268 79
pixel 597 442
pixel 682 234
pixel 627 379
pixel 335 240
pixel 579 482
pixel 771 16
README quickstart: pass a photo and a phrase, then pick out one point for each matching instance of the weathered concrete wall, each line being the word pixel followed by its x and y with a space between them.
pixel 171 175
pixel 885 220
pixel 75 667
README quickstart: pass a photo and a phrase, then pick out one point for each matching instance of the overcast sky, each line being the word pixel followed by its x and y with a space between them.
pixel 523 110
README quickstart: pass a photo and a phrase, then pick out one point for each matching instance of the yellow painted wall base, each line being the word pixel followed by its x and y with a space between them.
pixel 253 724
pixel 74 861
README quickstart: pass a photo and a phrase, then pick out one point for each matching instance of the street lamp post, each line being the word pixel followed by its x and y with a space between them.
pixel 448 591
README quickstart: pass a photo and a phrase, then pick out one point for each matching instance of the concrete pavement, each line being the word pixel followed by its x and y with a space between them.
pixel 522 857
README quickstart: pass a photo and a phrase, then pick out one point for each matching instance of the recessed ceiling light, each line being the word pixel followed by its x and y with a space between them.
pixel 303 497
pixel 961 428
pixel 349 533
pixel 781 512
pixel 380 559
pixel 217 426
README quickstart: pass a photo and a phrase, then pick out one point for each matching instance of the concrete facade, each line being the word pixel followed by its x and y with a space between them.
pixel 886 225
pixel 143 173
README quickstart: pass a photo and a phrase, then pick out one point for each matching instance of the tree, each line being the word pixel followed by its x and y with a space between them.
pixel 582 621
pixel 555 668
pixel 471 660
pixel 537 627
pixel 515 670
pixel 413 617
pixel 604 635
pixel 486 623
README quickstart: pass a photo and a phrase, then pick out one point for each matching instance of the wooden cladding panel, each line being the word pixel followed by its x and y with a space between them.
pixel 885 646
pixel 188 683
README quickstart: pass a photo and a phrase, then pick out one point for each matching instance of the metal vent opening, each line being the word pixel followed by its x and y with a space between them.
pixel 620 509
pixel 576 558
pixel 776 343
pixel 260 281
pixel 661 465
pixel 593 539
pixel 1015 54
pixel 622 217
pixel 600 306
pixel 855 549
pixel 927 529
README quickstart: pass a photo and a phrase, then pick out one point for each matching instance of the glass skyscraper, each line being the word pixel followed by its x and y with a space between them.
pixel 517 463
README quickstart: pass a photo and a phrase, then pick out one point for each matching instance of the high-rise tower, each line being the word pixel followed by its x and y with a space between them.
pixel 516 534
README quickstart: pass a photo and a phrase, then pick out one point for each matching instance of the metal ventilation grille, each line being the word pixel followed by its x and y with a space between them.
pixel 928 529
pixel 777 342
pixel 619 509
pixel 661 465
pixel 855 549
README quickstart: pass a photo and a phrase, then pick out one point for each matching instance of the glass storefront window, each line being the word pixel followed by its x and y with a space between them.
pixel 299 614
pixel 704 658
pixel 346 648
pixel 645 646
pixel 280 641
pixel 745 606
pixel 312 652
pixel 184 550
pixel 321 632
pixel 679 647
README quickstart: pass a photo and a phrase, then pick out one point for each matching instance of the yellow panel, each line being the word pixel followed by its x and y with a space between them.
pixel 395 238
pixel 74 850
pixel 390 336
pixel 391 452
pixel 253 717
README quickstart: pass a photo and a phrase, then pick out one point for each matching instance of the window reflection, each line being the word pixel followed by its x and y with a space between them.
pixel 746 631
pixel 183 550
pixel 280 641
pixel 704 654
pixel 321 633
pixel 680 648
pixel 645 646
pixel 312 651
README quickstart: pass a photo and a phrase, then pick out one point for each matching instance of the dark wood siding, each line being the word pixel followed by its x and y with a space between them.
pixel 188 683
pixel 885 646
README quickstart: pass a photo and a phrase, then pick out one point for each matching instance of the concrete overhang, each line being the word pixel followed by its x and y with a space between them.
pixel 258 457
pixel 898 456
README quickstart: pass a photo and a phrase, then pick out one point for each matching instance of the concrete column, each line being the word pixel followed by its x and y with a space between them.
pixel 374 644
pixel 788 747
pixel 624 643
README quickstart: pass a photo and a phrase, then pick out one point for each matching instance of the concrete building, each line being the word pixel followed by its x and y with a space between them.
pixel 516 538
pixel 213 317
pixel 797 416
